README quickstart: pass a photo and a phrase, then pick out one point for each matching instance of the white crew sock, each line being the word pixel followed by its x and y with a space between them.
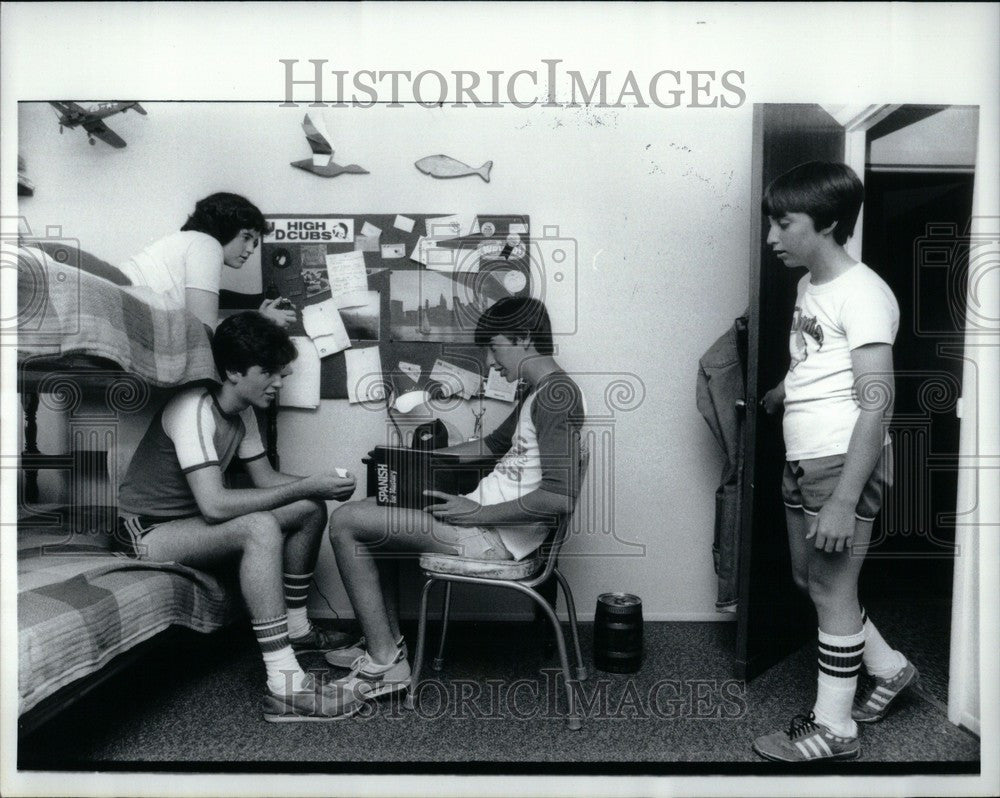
pixel 881 659
pixel 839 662
pixel 284 674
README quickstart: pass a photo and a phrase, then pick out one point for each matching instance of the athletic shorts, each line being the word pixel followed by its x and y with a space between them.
pixel 130 529
pixel 808 484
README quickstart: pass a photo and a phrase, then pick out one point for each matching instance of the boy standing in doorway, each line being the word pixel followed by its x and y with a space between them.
pixel 838 398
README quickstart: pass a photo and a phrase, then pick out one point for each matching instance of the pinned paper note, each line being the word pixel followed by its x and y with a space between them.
pixel 348 278
pixel 392 251
pixel 301 387
pixel 404 223
pixel 427 252
pixel 369 230
pixel 324 325
pixel 444 226
pixel 455 380
pixel 367 243
pixel 497 387
pixel 364 375
pixel 411 370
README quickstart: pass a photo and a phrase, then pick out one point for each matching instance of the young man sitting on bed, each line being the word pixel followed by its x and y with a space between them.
pixel 507 517
pixel 174 506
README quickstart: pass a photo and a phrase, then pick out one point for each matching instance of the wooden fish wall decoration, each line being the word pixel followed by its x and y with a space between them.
pixel 321 162
pixel 443 166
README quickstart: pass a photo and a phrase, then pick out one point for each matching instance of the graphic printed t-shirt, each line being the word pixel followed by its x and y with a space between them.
pixel 830 320
pixel 190 432
pixel 540 443
pixel 181 260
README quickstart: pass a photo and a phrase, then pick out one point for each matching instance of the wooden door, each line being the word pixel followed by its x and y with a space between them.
pixel 773 619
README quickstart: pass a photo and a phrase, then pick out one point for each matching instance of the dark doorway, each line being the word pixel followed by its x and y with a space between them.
pixel 916 222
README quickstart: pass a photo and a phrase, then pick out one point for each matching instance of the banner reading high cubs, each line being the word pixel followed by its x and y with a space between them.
pixel 325 230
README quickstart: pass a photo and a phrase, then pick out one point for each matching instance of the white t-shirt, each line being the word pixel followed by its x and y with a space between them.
pixel 540 446
pixel 181 260
pixel 830 320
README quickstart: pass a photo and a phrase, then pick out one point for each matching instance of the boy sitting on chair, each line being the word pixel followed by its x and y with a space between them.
pixel 174 506
pixel 507 517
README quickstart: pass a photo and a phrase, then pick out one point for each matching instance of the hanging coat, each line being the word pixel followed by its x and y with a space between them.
pixel 721 383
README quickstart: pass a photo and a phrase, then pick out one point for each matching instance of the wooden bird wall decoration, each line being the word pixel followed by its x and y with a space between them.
pixel 322 163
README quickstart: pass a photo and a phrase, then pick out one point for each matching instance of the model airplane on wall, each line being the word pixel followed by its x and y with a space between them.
pixel 74 115
pixel 322 163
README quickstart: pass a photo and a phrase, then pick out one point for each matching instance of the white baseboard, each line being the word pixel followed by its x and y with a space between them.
pixel 715 617
pixel 970 722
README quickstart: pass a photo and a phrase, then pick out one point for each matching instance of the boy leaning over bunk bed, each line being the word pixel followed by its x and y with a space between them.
pixel 174 506
pixel 507 517
pixel 837 398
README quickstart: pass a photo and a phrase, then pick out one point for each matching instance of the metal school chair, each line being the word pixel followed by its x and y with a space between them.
pixel 524 576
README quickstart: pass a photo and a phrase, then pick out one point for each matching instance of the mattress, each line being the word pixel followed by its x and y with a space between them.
pixel 79 606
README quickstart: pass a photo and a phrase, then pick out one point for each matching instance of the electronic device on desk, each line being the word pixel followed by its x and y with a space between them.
pixel 398 477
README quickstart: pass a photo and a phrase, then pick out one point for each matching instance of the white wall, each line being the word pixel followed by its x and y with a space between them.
pixel 657 204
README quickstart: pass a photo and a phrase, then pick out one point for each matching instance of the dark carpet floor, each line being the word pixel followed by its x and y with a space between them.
pixel 195 706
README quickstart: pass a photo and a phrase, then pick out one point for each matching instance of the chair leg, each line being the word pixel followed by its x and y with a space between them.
pixel 581 669
pixel 573 720
pixel 549 590
pixel 446 611
pixel 410 701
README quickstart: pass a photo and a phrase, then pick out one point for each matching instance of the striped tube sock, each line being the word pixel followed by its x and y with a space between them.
pixel 284 674
pixel 881 659
pixel 839 663
pixel 296 596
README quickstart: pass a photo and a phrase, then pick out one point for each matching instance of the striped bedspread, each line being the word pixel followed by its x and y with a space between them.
pixel 64 310
pixel 79 606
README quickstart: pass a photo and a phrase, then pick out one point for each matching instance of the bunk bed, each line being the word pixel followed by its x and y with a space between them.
pixel 88 339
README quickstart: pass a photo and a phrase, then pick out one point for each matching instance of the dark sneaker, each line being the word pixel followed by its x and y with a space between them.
pixel 346 656
pixel 322 640
pixel 369 679
pixel 806 741
pixel 314 703
pixel 875 704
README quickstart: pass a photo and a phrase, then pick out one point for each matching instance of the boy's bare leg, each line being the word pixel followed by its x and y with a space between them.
pixel 388 573
pixel 361 531
pixel 256 539
pixel 302 523
pixel 833 581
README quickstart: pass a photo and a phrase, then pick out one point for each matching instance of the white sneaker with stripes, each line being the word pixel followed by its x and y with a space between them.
pixel 875 704
pixel 806 741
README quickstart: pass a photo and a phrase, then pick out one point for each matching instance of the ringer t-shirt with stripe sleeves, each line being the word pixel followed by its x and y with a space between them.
pixel 190 432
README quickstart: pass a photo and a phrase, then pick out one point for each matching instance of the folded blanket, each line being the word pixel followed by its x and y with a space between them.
pixel 63 311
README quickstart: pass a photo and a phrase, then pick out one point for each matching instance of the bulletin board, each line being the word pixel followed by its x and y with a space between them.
pixel 429 276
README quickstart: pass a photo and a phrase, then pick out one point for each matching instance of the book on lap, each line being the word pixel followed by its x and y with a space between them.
pixel 398 477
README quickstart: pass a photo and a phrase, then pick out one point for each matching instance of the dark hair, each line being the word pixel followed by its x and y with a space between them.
pixel 250 339
pixel 516 317
pixel 827 191
pixel 223 215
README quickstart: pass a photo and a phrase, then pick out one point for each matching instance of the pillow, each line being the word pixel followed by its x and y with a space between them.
pixel 84 261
